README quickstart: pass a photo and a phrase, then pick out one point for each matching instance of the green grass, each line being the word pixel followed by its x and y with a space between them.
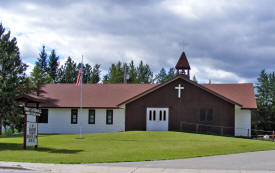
pixel 125 146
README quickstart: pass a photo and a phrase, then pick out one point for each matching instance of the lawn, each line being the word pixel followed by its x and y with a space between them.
pixel 125 146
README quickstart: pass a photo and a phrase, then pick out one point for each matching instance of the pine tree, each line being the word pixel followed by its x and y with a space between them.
pixel 12 77
pixel 144 73
pixel 264 117
pixel 161 76
pixel 171 73
pixel 40 70
pixel 132 72
pixel 42 60
pixel 53 66
pixel 95 75
pixel 87 72
pixel 68 72
pixel 116 73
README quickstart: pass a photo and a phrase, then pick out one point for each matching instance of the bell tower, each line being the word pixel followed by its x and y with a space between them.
pixel 183 66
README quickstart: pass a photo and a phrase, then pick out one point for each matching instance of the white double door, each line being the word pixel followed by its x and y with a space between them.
pixel 157 119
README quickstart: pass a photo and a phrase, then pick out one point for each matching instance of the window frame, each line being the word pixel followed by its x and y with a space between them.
pixel 202 115
pixel 112 116
pixel 208 115
pixel 42 120
pixel 91 115
pixel 72 114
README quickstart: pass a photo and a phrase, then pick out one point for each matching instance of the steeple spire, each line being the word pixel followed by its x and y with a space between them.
pixel 183 66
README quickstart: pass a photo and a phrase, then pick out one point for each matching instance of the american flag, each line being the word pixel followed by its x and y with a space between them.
pixel 78 81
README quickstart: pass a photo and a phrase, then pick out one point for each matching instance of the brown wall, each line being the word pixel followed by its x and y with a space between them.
pixel 187 108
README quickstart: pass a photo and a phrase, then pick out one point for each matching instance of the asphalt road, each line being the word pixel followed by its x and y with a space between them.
pixel 261 160
pixel 253 162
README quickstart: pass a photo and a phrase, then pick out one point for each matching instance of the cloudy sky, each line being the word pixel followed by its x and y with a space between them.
pixel 225 41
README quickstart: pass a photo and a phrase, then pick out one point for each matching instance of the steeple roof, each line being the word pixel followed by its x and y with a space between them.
pixel 183 62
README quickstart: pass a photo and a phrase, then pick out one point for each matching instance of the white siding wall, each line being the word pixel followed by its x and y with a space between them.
pixel 59 121
pixel 242 122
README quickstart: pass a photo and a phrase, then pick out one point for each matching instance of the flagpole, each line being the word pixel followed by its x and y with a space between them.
pixel 80 128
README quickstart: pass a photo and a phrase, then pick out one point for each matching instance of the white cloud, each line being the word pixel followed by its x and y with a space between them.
pixel 218 33
pixel 198 9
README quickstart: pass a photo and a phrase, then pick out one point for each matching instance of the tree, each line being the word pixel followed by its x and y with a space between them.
pixel 132 72
pixel 67 73
pixel 53 66
pixel 195 79
pixel 12 77
pixel 42 60
pixel 86 72
pixel 144 73
pixel 40 70
pixel 161 76
pixel 171 73
pixel 264 117
pixel 95 78
pixel 106 79
pixel 116 73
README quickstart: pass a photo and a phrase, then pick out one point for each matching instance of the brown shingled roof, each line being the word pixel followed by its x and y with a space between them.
pixel 30 98
pixel 94 95
pixel 240 93
pixel 113 95
pixel 183 62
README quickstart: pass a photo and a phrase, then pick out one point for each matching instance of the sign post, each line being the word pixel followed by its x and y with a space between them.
pixel 31 127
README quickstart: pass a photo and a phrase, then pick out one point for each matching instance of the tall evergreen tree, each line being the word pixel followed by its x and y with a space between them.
pixel 264 117
pixel 42 60
pixel 87 72
pixel 161 76
pixel 11 78
pixel 144 73
pixel 68 72
pixel 53 66
pixel 132 72
pixel 40 70
pixel 116 73
pixel 171 73
pixel 95 78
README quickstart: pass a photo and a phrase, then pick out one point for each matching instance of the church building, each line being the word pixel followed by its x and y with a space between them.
pixel 179 104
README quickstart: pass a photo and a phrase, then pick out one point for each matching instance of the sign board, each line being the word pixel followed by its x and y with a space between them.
pixel 31 136
pixel 31 126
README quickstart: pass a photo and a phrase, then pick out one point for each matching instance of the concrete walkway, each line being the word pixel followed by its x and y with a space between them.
pixel 254 162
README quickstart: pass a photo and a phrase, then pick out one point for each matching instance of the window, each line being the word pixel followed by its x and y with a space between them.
pixel 206 114
pixel 74 116
pixel 164 115
pixel 150 115
pixel 109 117
pixel 210 115
pixel 202 115
pixel 43 118
pixel 154 115
pixel 160 115
pixel 91 119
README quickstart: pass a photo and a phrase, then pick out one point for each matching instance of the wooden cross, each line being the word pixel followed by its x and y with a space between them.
pixel 179 88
